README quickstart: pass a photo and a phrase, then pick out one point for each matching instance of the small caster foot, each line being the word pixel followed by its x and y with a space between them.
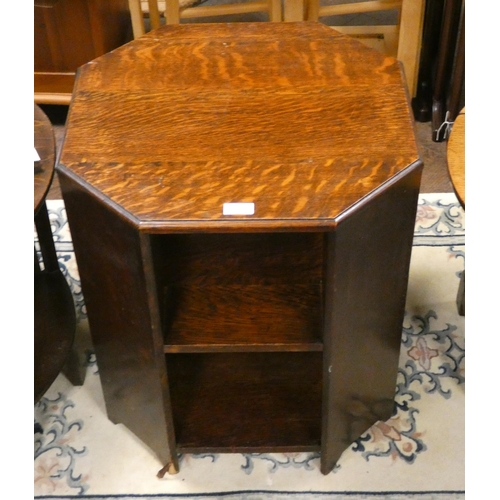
pixel 170 468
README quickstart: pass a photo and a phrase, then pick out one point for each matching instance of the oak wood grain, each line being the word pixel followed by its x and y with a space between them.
pixel 45 146
pixel 176 123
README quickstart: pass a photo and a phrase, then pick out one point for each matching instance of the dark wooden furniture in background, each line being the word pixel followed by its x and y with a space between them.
pixel 456 168
pixel 53 303
pixel 270 331
pixel 439 95
pixel 69 33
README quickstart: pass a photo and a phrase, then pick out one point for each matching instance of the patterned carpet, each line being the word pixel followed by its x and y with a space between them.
pixel 417 454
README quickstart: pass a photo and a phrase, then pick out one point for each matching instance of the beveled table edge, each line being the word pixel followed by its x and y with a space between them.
pixel 235 224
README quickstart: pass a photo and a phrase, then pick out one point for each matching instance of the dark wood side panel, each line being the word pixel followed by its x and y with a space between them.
pixel 120 295
pixel 367 265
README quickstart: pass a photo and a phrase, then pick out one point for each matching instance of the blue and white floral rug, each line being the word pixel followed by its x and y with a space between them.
pixel 418 453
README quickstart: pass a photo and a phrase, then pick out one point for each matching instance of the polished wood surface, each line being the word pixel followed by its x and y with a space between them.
pixel 46 148
pixel 54 312
pixel 212 331
pixel 219 105
pixel 456 156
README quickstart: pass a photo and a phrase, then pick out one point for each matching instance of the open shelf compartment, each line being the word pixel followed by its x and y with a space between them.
pixel 240 292
pixel 245 401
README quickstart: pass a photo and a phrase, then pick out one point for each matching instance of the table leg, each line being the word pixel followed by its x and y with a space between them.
pixel 46 240
pixel 444 68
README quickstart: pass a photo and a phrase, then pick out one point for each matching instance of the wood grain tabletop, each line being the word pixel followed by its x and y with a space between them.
pixel 45 147
pixel 294 117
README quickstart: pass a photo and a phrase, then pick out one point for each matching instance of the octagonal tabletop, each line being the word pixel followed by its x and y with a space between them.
pixel 295 118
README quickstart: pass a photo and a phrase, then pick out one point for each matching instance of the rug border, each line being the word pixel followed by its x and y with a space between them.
pixel 245 492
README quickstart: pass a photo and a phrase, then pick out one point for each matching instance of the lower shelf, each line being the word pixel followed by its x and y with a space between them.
pixel 244 401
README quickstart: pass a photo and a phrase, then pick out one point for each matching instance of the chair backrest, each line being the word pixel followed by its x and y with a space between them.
pixel 402 40
pixel 172 11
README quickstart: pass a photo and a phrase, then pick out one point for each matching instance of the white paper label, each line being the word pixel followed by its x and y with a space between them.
pixel 37 158
pixel 238 208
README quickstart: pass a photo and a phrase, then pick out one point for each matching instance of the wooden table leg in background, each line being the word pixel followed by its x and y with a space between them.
pixel 422 102
pixel 441 116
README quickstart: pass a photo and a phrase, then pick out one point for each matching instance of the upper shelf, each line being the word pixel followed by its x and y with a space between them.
pixel 243 318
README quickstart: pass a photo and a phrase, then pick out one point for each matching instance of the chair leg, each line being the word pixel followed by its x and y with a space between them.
pixel 154 14
pixel 294 10
pixel 410 40
pixel 172 12
pixel 136 18
pixel 275 11
pixel 312 10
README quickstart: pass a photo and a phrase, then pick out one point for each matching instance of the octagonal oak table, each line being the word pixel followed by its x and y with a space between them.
pixel 242 201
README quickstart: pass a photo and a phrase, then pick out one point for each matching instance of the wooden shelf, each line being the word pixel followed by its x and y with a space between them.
pixel 244 292
pixel 245 401
pixel 239 317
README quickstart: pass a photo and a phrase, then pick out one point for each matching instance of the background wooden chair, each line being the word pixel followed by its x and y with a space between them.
pixel 174 10
pixel 402 40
